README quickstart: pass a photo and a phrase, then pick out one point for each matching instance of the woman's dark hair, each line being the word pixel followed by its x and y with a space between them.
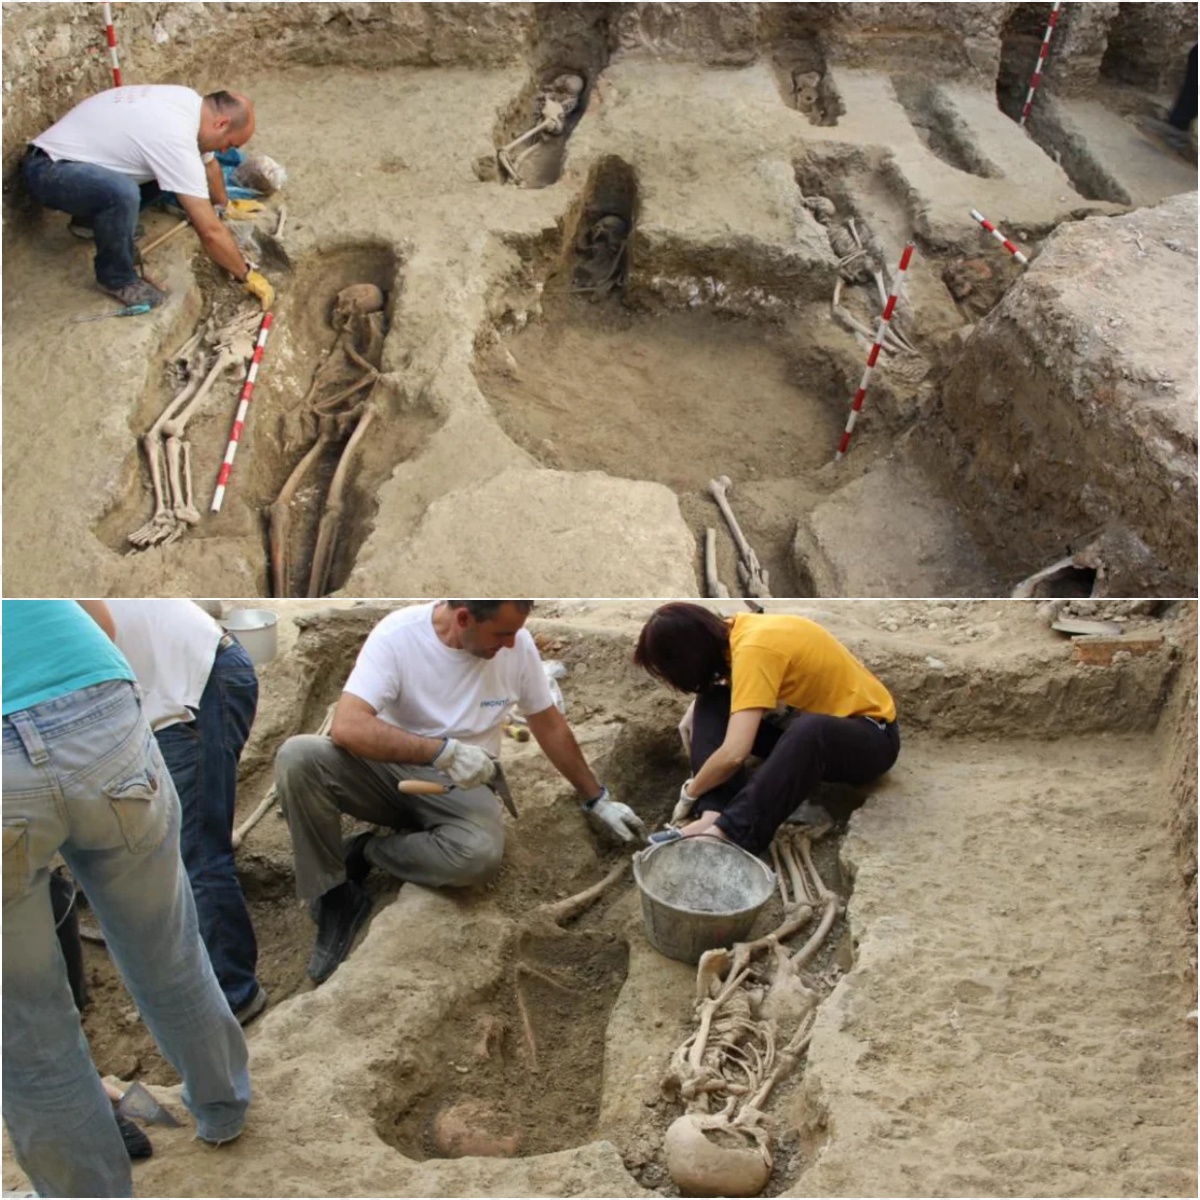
pixel 684 645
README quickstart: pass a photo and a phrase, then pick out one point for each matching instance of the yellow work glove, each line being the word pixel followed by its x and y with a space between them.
pixel 260 287
pixel 242 210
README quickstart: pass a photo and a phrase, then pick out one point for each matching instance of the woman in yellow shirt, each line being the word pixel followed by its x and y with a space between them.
pixel 779 687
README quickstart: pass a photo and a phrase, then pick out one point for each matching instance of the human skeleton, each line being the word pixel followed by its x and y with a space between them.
pixel 553 104
pixel 199 363
pixel 358 321
pixel 754 1019
pixel 861 259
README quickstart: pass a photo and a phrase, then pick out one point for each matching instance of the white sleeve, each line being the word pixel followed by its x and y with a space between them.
pixel 376 674
pixel 534 692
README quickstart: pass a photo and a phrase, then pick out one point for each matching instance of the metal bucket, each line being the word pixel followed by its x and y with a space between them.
pixel 699 893
pixel 255 628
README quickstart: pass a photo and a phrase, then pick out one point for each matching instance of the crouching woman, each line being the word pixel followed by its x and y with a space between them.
pixel 780 688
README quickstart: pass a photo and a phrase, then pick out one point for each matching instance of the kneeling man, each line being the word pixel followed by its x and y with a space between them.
pixel 425 701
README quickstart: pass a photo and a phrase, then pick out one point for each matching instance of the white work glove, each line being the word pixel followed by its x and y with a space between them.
pixel 684 805
pixel 609 816
pixel 685 728
pixel 469 766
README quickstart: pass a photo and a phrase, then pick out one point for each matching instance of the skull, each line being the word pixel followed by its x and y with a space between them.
pixel 805 85
pixel 566 85
pixel 354 301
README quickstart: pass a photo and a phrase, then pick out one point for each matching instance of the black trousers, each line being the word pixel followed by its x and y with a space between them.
pixel 1184 112
pixel 797 755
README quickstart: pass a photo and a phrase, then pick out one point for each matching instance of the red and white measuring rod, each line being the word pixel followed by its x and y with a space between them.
pixel 1043 49
pixel 239 422
pixel 111 34
pixel 888 309
pixel 1009 246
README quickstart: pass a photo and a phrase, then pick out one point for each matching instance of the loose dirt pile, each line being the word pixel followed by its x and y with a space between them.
pixel 1003 1002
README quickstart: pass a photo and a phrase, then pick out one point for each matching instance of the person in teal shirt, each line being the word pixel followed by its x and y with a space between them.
pixel 84 778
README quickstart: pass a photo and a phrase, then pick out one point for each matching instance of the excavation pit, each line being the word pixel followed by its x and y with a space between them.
pixel 518 1075
pixel 291 489
pixel 685 125
pixel 961 939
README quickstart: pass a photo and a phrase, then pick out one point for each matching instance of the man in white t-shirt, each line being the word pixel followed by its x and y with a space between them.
pixel 426 701
pixel 115 151
pixel 200 694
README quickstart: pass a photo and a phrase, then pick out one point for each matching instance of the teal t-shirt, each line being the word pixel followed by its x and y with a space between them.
pixel 52 647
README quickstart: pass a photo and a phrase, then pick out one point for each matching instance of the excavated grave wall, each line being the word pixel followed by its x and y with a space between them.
pixel 1075 401
pixel 55 54
pixel 1178 772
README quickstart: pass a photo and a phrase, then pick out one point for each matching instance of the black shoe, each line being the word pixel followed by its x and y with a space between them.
pixel 137 1144
pixel 354 850
pixel 340 914
pixel 139 291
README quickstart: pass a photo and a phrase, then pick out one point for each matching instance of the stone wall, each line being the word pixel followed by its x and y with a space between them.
pixel 1073 404
pixel 55 54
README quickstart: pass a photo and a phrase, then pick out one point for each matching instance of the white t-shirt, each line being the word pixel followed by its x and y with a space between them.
pixel 417 683
pixel 147 132
pixel 171 645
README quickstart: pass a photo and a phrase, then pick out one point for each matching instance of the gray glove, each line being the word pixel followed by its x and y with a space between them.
pixel 467 765
pixel 608 816
pixel 684 805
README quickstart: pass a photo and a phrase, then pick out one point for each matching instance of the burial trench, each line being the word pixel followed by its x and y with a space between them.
pixel 411 1064
pixel 309 479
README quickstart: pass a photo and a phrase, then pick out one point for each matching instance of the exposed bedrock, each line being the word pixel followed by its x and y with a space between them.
pixel 1074 402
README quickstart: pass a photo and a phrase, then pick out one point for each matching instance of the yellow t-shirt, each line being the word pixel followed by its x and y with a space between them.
pixel 794 661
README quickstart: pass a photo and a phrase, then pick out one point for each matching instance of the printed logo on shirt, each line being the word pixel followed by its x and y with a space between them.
pixel 503 702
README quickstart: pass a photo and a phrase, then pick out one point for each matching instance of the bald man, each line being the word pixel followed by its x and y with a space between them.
pixel 115 152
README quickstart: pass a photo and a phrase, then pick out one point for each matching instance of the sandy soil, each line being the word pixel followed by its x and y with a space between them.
pixel 1004 999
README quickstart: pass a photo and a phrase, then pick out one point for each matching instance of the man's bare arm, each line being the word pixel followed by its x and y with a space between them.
pixel 101 614
pixel 216 182
pixel 558 743
pixel 357 728
pixel 215 237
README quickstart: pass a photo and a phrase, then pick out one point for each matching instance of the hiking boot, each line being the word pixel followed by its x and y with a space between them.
pixel 340 914
pixel 251 1009
pixel 140 291
pixel 81 228
pixel 354 850
pixel 137 1144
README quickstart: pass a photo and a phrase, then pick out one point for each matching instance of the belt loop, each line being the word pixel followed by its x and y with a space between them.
pixel 31 739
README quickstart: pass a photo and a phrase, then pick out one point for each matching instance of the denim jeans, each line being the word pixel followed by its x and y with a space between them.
pixel 202 756
pixel 83 777
pixel 109 200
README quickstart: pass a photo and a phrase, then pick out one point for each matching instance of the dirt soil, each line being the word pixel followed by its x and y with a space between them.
pixel 1003 1002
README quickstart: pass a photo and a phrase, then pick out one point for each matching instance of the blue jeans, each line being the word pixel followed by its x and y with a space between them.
pixel 202 756
pixel 109 200
pixel 84 777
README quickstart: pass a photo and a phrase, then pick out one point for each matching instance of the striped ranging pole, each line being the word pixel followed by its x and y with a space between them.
pixel 1036 78
pixel 1009 246
pixel 888 309
pixel 111 34
pixel 239 422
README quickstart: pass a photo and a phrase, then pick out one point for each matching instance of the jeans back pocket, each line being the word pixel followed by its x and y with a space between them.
pixel 16 859
pixel 138 799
